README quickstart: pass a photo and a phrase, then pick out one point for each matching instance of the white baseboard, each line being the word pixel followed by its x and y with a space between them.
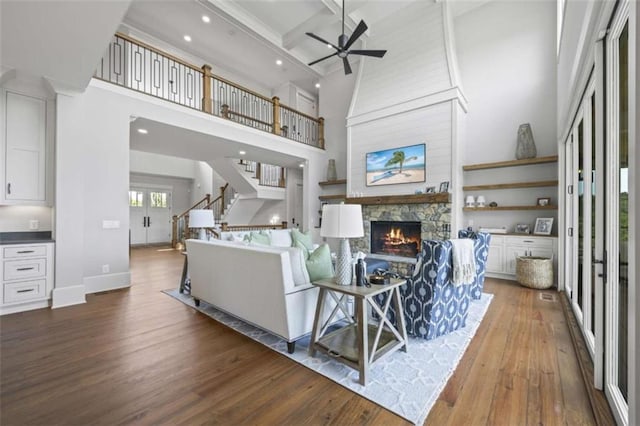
pixel 67 296
pixel 22 307
pixel 106 282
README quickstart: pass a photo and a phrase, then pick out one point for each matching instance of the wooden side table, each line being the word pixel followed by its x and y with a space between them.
pixel 358 344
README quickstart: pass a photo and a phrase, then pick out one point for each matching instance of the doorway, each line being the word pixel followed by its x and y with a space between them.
pixel 150 215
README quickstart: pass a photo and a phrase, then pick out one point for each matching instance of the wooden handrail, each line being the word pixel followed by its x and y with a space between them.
pixel 226 112
pixel 219 197
pixel 206 198
pixel 237 86
pixel 225 227
pixel 317 120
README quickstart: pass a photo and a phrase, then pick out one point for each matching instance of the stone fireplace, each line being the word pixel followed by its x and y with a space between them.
pixel 434 219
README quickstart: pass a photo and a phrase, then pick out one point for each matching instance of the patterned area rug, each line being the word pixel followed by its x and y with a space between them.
pixel 406 383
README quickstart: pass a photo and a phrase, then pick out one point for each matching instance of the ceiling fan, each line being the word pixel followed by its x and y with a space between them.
pixel 342 49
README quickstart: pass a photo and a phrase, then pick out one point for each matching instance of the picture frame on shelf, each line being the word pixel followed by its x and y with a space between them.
pixel 444 186
pixel 522 228
pixel 543 202
pixel 430 190
pixel 543 226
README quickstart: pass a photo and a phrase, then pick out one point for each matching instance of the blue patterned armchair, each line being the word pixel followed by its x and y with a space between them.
pixel 433 305
pixel 481 251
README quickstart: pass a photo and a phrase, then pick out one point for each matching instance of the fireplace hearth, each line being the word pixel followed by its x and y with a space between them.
pixel 395 238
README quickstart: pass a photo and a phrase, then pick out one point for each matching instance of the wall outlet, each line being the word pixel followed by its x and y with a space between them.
pixel 110 224
pixel 34 224
pixel 105 269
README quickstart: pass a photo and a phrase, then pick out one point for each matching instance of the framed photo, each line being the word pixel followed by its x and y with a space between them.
pixel 444 186
pixel 543 226
pixel 398 165
pixel 430 190
pixel 522 228
pixel 543 202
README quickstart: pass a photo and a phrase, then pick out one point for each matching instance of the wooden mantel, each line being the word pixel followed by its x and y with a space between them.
pixel 441 197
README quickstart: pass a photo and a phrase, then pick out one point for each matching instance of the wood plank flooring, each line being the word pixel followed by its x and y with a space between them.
pixel 137 356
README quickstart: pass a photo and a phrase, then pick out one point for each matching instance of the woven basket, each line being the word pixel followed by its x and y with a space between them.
pixel 534 272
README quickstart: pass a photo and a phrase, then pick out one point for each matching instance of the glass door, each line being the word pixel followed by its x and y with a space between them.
pixel 616 348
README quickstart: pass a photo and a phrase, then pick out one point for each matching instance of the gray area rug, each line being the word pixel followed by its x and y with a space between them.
pixel 406 383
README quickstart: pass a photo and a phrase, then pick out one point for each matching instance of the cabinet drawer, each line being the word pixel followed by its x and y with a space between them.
pixel 530 241
pixel 24 251
pixel 22 269
pixel 25 290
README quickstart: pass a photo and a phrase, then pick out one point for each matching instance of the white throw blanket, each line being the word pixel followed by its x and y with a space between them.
pixel 464 264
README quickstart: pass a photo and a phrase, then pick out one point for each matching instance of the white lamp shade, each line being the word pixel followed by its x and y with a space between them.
pixel 201 219
pixel 342 221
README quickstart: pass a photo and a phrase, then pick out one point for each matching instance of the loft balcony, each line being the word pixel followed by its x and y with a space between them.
pixel 138 66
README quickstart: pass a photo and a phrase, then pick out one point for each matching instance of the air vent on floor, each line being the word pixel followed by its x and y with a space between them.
pixel 548 297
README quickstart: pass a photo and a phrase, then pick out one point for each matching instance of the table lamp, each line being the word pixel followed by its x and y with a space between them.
pixel 342 221
pixel 201 219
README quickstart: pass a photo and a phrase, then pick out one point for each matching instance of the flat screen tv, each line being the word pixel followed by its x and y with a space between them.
pixel 398 165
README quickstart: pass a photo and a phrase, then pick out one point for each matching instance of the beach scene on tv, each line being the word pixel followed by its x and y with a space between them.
pixel 397 165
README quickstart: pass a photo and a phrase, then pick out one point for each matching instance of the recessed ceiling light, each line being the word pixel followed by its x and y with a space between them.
pixel 241 152
pixel 329 46
pixel 143 131
pixel 206 19
pixel 301 165
pixel 187 37
pixel 317 85
pixel 278 62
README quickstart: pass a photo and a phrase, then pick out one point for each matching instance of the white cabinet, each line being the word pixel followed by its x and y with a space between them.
pixel 25 159
pixel 504 249
pixel 27 276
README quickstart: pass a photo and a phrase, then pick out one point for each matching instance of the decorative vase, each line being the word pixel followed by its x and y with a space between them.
pixel 526 146
pixel 331 171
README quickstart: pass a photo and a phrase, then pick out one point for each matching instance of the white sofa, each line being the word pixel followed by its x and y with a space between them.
pixel 263 285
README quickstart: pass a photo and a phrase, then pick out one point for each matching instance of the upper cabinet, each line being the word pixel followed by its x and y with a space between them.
pixel 25 150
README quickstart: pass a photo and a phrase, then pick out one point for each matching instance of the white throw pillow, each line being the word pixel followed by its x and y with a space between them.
pixel 281 238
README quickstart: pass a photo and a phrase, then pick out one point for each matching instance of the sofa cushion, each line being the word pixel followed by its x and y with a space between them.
pixel 319 264
pixel 304 239
pixel 281 238
pixel 260 238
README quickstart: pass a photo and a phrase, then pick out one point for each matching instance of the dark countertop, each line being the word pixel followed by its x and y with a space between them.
pixel 25 237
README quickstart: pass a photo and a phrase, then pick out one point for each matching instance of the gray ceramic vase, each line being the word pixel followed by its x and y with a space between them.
pixel 526 146
pixel 331 171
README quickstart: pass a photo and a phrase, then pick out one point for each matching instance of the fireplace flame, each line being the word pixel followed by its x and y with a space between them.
pixel 396 236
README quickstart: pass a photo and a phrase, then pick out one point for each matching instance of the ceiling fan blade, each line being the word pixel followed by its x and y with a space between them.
pixel 376 53
pixel 320 39
pixel 360 29
pixel 347 67
pixel 322 59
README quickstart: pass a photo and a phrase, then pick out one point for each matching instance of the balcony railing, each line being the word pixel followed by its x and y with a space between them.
pixel 138 66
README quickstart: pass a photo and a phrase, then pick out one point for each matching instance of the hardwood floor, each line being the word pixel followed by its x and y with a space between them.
pixel 139 356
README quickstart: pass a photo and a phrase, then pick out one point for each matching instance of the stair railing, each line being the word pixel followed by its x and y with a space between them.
pixel 180 222
pixel 133 64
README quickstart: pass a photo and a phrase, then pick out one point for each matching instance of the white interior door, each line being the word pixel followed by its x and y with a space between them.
pixel 150 215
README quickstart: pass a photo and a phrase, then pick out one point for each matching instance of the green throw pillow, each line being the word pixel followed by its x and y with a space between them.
pixel 304 239
pixel 319 264
pixel 260 238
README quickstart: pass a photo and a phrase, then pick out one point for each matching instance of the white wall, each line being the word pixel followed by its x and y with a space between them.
pixel 202 182
pixel 17 218
pixel 269 210
pixel 507 61
pixel 506 55
pixel 430 125
pixel 336 90
pixel 93 179
pixel 161 165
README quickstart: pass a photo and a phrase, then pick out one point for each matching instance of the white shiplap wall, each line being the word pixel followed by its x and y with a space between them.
pixel 430 125
pixel 415 64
